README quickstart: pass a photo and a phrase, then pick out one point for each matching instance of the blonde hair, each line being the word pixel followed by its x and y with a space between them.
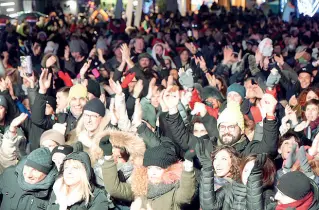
pixel 84 187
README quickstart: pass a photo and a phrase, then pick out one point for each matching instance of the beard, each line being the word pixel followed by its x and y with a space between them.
pixel 229 139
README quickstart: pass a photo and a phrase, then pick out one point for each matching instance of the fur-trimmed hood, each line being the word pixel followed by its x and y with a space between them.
pixel 133 144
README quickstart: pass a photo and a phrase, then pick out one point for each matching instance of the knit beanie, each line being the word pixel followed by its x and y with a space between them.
pixel 94 88
pixel 144 55
pixel 78 91
pixel 295 185
pixel 186 79
pixel 3 102
pixel 53 135
pixel 160 156
pixel 265 47
pixel 64 149
pixel 95 105
pixel 235 87
pixel 52 102
pixel 78 45
pixel 232 114
pixel 40 159
pixel 84 158
pixel 212 92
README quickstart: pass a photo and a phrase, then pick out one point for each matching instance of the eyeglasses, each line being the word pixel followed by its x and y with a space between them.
pixel 92 117
pixel 230 128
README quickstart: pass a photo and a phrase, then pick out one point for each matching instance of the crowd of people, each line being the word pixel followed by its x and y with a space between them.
pixel 216 110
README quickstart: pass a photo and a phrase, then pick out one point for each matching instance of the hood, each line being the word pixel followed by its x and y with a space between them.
pixel 133 144
pixel 83 157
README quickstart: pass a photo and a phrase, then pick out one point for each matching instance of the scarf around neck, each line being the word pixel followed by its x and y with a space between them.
pixel 157 190
pixel 302 204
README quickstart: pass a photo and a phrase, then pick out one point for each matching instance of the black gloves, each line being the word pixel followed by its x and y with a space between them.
pixel 202 154
pixel 189 155
pixel 106 146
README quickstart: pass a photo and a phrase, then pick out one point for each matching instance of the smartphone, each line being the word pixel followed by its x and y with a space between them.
pixel 26 63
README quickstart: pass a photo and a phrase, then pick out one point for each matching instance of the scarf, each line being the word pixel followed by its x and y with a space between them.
pixel 157 190
pixel 302 204
pixel 220 182
pixel 62 198
pixel 45 184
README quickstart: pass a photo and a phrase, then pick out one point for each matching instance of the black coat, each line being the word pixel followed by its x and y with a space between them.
pixel 233 196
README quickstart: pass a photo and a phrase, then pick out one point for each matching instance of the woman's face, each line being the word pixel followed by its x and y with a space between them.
pixel 159 50
pixel 154 174
pixel 199 130
pixel 71 173
pixel 184 56
pixel 246 171
pixel 219 84
pixel 222 163
pixel 311 95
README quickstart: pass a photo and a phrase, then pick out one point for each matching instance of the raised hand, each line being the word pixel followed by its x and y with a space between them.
pixel 45 81
pixel 171 97
pixel 67 53
pixel 106 146
pixel 114 118
pixel 30 79
pixel 268 104
pixel 50 61
pixel 314 149
pixel 116 87
pixel 126 54
pixel 16 122
pixel 203 154
pixel 290 161
pixel 259 162
pixel 138 114
pixel 228 55
pixel 199 108
pixel 151 87
pixel 301 126
pixel 85 68
pixel 211 80
pixel 138 89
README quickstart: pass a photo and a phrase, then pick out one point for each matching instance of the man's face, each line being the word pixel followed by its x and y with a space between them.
pixel 286 147
pixel 312 112
pixel 139 45
pixel 144 62
pixel 61 100
pixel 168 64
pixel 155 100
pixel 76 55
pixel 184 56
pixel 305 80
pixel 2 113
pixel 32 176
pixel 76 106
pixel 91 120
pixel 229 133
pixel 277 50
pixel 283 199
pixel 235 97
pixel 118 52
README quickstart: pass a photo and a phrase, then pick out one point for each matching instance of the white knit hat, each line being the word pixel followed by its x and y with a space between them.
pixel 232 114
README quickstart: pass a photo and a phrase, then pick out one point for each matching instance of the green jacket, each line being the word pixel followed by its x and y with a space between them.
pixel 172 200
pixel 15 198
pixel 97 202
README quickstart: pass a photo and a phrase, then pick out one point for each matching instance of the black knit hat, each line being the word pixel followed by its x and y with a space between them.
pixel 211 92
pixel 95 105
pixel 94 88
pixel 40 159
pixel 295 185
pixel 84 158
pixel 51 101
pixel 144 55
pixel 64 149
pixel 161 156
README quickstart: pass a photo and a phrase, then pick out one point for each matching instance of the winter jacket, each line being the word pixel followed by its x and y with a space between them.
pixel 268 144
pixel 16 198
pixel 233 196
pixel 181 194
pixel 124 122
pixel 9 148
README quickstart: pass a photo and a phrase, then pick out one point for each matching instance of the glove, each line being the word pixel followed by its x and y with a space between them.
pixel 128 79
pixel 66 78
pixel 259 162
pixel 304 165
pixel 186 79
pixel 106 146
pixel 290 160
pixel 273 79
pixel 189 155
pixel 202 154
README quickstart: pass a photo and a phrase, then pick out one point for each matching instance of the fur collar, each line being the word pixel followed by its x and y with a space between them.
pixel 62 198
pixel 172 175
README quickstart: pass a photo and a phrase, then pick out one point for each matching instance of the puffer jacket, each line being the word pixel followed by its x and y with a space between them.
pixel 16 198
pixel 233 196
